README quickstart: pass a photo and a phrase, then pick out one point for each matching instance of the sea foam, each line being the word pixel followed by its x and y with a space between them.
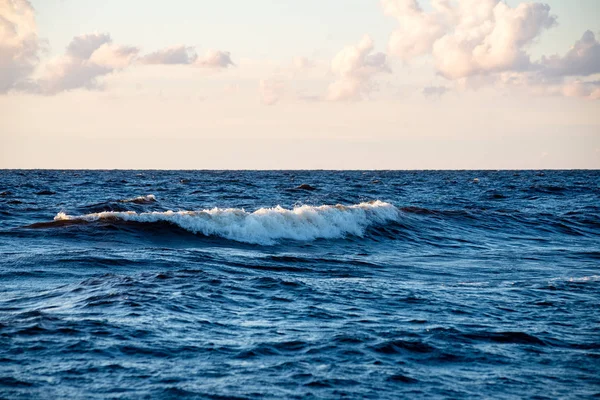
pixel 266 225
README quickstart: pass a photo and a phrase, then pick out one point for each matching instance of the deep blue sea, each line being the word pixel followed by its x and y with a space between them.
pixel 247 285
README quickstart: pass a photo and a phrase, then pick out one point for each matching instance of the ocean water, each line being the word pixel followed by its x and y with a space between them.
pixel 237 284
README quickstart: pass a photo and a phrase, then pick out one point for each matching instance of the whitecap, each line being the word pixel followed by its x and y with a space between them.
pixel 265 225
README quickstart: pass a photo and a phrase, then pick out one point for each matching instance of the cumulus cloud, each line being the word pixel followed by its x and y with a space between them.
pixel 271 91
pixel 355 67
pixel 564 75
pixel 171 55
pixel 19 44
pixel 475 42
pixel 583 59
pixel 417 30
pixel 215 59
pixel 87 58
pixel 468 37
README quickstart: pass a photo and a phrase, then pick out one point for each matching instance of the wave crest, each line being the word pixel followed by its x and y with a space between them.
pixel 140 199
pixel 263 226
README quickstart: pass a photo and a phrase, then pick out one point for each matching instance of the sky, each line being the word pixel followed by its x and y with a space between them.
pixel 288 84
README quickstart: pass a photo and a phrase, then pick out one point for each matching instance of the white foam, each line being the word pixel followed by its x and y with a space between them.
pixel 265 225
pixel 141 199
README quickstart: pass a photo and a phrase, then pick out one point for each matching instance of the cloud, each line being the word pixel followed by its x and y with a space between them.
pixel 83 46
pixel 468 37
pixel 215 59
pixel 577 88
pixel 434 91
pixel 483 42
pixel 355 67
pixel 564 75
pixel 19 44
pixel 271 91
pixel 187 56
pixel 496 44
pixel 87 58
pixel 417 30
pixel 583 59
pixel 171 55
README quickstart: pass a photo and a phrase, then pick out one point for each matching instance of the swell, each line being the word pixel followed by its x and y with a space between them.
pixel 265 226
pixel 374 220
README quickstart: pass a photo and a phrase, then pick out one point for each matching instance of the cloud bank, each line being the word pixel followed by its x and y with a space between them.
pixel 86 59
pixel 470 43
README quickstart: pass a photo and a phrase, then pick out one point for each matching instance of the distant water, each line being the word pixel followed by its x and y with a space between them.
pixel 377 284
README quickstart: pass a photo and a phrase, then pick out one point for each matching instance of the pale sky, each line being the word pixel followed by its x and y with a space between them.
pixel 290 84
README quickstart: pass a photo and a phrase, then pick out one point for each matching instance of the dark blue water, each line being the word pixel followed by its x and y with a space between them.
pixel 419 284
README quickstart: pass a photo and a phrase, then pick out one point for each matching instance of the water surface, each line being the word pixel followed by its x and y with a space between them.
pixel 226 284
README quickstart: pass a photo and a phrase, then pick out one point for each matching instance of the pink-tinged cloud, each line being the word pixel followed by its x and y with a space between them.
pixel 416 32
pixel 468 37
pixel 172 55
pixel 355 67
pixel 480 42
pixel 215 59
pixel 19 44
pixel 577 88
pixel 87 58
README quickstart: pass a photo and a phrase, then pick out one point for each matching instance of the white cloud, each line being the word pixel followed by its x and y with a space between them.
pixel 92 56
pixel 19 44
pixel 497 44
pixel 355 67
pixel 417 30
pixel 482 42
pixel 171 55
pixel 215 59
pixel 87 58
pixel 504 47
pixel 469 37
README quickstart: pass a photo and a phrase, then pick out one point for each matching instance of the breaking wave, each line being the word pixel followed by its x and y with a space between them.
pixel 264 226
pixel 140 199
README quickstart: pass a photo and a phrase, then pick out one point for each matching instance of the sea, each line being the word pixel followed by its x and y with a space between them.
pixel 299 284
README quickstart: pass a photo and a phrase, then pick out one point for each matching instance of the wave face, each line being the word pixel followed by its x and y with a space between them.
pixel 195 284
pixel 265 225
